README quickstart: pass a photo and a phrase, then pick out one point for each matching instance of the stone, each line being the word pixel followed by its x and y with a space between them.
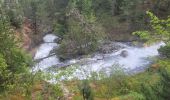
pixel 124 53
pixel 110 47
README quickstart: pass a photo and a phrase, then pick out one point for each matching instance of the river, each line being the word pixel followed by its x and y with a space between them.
pixel 137 60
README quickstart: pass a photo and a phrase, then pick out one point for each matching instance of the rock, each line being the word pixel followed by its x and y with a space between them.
pixel 58 40
pixel 110 47
pixel 97 57
pixel 124 53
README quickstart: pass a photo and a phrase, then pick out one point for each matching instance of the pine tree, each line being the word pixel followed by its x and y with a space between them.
pixel 83 32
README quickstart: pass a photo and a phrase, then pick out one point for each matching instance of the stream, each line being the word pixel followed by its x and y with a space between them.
pixel 137 59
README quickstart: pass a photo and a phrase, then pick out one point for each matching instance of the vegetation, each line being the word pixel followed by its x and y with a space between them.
pixel 17 82
pixel 83 25
pixel 86 91
pixel 83 33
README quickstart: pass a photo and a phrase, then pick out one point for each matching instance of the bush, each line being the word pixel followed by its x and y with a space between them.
pixel 15 18
pixel 165 84
pixel 4 73
pixel 86 90
pixel 14 61
pixel 133 96
pixel 113 85
pixel 165 51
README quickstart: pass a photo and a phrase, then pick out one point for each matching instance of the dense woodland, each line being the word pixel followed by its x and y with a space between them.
pixel 82 26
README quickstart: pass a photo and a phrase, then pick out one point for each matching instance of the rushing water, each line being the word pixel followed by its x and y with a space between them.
pixel 136 60
pixel 44 51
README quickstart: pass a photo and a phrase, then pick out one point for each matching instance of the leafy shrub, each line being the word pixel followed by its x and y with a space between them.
pixel 160 30
pixel 133 96
pixel 4 73
pixel 113 85
pixel 15 18
pixel 165 51
pixel 86 90
pixel 14 61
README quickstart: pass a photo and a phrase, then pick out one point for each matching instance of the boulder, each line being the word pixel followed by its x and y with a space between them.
pixel 124 53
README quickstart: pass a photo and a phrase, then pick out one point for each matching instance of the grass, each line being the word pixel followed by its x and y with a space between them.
pixel 125 88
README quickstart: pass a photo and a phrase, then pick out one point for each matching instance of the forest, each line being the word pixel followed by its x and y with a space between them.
pixel 84 49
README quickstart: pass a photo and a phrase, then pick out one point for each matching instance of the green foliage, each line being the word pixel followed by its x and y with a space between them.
pixel 102 7
pixel 82 34
pixel 15 17
pixel 160 29
pixel 133 96
pixel 165 51
pixel 65 73
pixel 130 11
pixel 165 83
pixel 113 85
pixel 77 22
pixel 14 61
pixel 4 73
pixel 162 87
pixel 14 57
pixel 14 11
pixel 34 15
pixel 86 91
pixel 60 29
pixel 161 8
pixel 160 32
pixel 143 34
pixel 148 92
pixel 120 17
pixel 158 90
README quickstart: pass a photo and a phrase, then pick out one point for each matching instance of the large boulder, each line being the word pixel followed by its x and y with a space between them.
pixel 124 53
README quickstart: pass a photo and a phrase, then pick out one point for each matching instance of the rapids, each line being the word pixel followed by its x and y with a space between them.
pixel 136 60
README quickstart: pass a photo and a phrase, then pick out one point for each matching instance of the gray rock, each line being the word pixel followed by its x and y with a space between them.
pixel 124 53
pixel 109 47
pixel 58 40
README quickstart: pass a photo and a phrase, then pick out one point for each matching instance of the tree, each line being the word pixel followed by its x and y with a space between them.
pixel 13 60
pixel 101 7
pixel 160 29
pixel 14 11
pixel 33 10
pixel 160 32
pixel 161 8
pixel 34 16
pixel 82 33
